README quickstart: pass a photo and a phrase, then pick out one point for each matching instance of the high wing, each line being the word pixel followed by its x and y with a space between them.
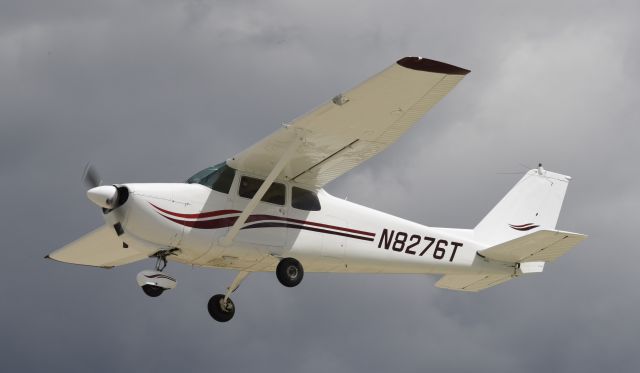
pixel 99 248
pixel 354 126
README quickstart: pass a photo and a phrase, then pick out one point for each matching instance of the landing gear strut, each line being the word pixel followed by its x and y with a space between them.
pixel 161 258
pixel 220 306
pixel 289 272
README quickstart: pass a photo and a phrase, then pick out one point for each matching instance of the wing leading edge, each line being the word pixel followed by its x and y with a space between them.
pixel 354 126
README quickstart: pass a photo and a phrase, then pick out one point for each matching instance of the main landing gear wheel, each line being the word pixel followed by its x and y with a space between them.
pixel 219 310
pixel 289 272
pixel 152 290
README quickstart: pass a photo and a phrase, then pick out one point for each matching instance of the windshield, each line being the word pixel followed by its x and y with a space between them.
pixel 218 177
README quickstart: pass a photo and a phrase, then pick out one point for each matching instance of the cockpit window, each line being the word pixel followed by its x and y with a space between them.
pixel 303 199
pixel 218 177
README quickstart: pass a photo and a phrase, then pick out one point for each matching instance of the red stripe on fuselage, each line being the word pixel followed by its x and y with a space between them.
pixel 305 227
pixel 255 218
pixel 229 221
pixel 206 224
pixel 198 215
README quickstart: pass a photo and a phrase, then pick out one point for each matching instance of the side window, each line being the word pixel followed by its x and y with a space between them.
pixel 303 199
pixel 249 186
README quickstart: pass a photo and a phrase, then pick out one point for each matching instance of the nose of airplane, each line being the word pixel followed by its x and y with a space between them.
pixel 103 196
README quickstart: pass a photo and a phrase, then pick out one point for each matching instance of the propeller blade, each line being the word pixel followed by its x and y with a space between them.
pixel 90 177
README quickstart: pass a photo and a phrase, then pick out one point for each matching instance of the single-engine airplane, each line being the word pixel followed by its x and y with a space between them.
pixel 265 209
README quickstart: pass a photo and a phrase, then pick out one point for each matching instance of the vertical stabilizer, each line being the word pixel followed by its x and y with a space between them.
pixel 532 204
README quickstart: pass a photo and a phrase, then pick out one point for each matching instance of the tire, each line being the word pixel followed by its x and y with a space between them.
pixel 152 290
pixel 289 272
pixel 216 310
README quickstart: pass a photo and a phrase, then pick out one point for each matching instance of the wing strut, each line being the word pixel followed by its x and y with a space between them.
pixel 233 232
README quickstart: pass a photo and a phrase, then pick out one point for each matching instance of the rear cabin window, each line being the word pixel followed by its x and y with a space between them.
pixel 249 186
pixel 303 199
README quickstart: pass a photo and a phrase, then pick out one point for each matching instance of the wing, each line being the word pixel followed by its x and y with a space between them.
pixel 540 246
pixel 99 248
pixel 354 126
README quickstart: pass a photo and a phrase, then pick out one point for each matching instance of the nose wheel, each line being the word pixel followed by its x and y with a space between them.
pixel 152 290
pixel 289 272
pixel 154 283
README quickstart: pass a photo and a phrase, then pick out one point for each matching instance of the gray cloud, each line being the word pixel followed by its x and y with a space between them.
pixel 153 91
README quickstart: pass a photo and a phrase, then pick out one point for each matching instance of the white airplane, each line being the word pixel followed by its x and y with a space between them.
pixel 264 209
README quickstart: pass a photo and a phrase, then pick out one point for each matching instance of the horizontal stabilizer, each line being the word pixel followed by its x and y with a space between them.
pixel 471 282
pixel 100 248
pixel 540 246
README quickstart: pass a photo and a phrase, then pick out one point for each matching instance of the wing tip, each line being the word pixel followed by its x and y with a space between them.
pixel 425 64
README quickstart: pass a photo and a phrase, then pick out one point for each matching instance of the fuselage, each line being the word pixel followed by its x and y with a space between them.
pixel 339 237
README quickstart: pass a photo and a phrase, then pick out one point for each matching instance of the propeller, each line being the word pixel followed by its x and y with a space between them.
pixel 105 196
pixel 90 176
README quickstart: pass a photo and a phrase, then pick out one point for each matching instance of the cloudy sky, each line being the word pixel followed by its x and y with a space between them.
pixel 154 90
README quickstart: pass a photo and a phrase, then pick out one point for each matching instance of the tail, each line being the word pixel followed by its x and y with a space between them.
pixel 532 204
pixel 531 209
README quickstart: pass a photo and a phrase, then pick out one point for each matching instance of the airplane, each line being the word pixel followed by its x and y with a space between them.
pixel 265 209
